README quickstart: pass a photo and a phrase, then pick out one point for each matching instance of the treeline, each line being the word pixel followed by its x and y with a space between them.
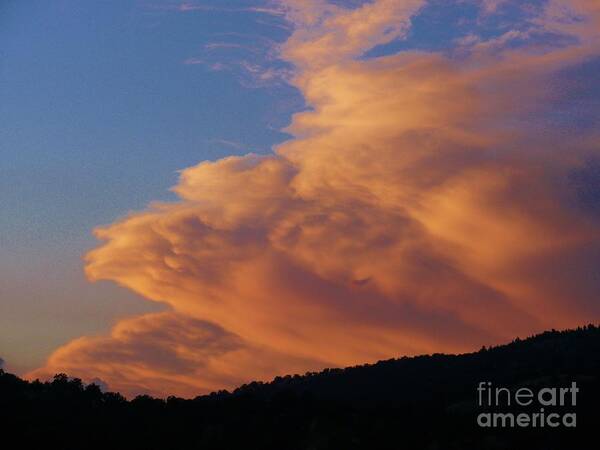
pixel 424 402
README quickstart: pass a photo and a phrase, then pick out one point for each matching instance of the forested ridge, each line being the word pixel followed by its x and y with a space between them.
pixel 423 402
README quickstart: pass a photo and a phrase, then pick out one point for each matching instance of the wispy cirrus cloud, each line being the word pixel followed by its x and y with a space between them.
pixel 269 8
pixel 226 45
pixel 423 205
pixel 229 143
pixel 253 59
pixel 193 61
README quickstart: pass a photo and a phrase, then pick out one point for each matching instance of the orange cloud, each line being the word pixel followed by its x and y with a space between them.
pixel 417 209
pixel 167 353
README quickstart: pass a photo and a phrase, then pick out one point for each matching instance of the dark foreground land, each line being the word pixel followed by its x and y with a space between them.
pixel 426 402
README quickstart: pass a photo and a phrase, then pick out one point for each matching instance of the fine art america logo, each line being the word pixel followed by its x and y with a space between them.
pixel 523 407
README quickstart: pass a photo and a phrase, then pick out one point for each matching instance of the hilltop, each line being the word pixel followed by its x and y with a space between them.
pixel 423 402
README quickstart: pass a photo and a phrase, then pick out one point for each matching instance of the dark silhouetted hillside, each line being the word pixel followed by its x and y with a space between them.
pixel 425 402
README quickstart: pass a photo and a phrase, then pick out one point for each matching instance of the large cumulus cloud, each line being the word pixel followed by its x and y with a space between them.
pixel 422 206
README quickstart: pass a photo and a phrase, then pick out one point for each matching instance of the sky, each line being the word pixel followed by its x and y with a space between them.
pixel 196 195
pixel 99 111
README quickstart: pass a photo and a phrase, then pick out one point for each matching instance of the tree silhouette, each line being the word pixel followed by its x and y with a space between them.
pixel 424 402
